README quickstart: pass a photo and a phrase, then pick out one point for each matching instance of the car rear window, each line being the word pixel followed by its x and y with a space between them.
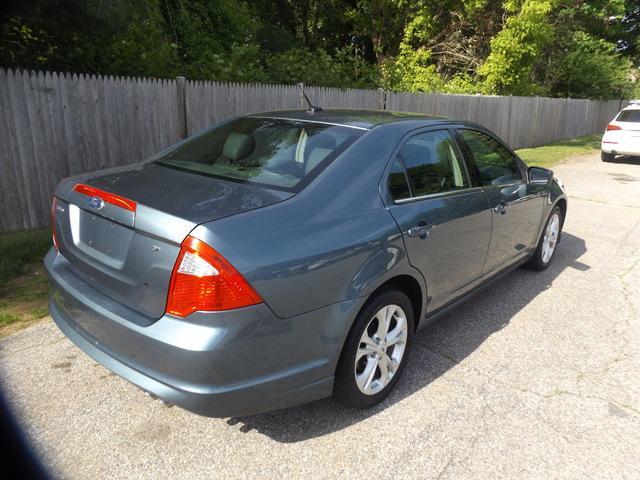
pixel 629 116
pixel 281 154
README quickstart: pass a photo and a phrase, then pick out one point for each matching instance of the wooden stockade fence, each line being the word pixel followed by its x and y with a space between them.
pixel 53 125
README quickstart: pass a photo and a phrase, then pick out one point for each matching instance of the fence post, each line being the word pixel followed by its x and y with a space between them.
pixel 181 92
pixel 382 97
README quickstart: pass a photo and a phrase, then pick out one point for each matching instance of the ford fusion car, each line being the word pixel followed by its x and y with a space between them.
pixel 288 256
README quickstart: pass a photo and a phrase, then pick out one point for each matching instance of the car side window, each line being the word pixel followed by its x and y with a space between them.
pixel 398 185
pixel 496 165
pixel 433 164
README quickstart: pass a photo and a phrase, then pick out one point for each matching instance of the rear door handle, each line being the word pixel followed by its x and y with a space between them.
pixel 501 208
pixel 421 230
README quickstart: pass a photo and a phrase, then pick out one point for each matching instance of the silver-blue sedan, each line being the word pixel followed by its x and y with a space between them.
pixel 288 256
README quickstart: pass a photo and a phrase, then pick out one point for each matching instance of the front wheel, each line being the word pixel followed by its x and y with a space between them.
pixel 376 350
pixel 548 241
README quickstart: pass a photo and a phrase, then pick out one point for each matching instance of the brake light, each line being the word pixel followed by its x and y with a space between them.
pixel 202 280
pixel 53 223
pixel 108 197
pixel 613 127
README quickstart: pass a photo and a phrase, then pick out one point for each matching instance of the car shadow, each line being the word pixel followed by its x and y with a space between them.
pixel 628 160
pixel 449 340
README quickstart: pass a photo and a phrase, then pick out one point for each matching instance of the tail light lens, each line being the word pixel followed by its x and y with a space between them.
pixel 107 197
pixel 53 223
pixel 613 127
pixel 202 280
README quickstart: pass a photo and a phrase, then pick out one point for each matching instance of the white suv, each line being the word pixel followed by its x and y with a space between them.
pixel 622 136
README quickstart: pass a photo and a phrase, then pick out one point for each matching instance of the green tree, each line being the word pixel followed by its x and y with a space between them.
pixel 87 36
pixel 591 68
pixel 517 48
pixel 582 48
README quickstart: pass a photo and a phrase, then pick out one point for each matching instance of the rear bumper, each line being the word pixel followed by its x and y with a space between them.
pixel 620 145
pixel 215 364
pixel 620 150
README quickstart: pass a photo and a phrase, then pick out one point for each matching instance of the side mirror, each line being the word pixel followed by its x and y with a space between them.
pixel 540 176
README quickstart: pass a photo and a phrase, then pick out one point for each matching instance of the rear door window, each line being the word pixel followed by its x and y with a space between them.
pixel 398 182
pixel 433 164
pixel 282 154
pixel 496 165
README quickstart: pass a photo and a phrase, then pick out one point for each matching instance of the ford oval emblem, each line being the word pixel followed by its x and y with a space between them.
pixel 96 202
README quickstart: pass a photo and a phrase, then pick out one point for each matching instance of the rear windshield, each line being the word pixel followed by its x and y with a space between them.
pixel 282 154
pixel 629 116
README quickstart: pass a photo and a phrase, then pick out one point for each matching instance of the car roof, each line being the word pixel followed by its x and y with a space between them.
pixel 364 119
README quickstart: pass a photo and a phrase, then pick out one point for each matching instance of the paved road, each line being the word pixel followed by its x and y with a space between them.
pixel 538 378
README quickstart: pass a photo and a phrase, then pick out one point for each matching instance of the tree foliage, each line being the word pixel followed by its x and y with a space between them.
pixel 577 48
pixel 516 48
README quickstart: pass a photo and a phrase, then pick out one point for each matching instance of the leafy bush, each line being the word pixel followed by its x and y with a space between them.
pixel 590 67
pixel 345 70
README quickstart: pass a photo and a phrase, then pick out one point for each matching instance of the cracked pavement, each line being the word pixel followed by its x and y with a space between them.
pixel 537 377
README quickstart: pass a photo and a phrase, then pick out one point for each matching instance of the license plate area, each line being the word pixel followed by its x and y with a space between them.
pixel 102 239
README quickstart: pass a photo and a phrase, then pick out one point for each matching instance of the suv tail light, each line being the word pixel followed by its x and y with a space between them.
pixel 203 280
pixel 613 127
pixel 53 223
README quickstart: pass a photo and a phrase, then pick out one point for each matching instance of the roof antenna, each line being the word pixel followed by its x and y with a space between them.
pixel 312 108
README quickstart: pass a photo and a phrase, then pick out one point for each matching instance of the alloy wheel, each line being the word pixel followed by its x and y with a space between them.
pixel 550 238
pixel 381 349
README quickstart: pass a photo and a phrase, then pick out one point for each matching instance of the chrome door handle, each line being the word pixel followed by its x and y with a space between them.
pixel 501 208
pixel 421 230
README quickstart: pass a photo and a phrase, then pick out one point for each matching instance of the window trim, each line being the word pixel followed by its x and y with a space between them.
pixel 437 195
pixel 524 178
pixel 413 198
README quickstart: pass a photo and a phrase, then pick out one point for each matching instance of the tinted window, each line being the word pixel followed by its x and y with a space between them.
pixel 629 116
pixel 398 185
pixel 496 164
pixel 432 163
pixel 275 153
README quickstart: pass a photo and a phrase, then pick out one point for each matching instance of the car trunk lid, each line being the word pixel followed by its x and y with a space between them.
pixel 122 231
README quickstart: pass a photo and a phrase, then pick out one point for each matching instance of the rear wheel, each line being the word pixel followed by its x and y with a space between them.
pixel 376 350
pixel 607 157
pixel 548 241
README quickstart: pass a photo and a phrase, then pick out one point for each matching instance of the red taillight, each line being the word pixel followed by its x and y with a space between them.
pixel 613 127
pixel 53 222
pixel 108 197
pixel 202 280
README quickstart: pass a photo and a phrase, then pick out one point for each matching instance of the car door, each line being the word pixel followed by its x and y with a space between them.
pixel 445 220
pixel 517 205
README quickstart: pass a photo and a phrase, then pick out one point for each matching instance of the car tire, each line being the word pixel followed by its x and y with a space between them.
pixel 542 257
pixel 359 381
pixel 607 157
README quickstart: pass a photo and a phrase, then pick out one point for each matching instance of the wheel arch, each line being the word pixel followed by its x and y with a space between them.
pixel 407 284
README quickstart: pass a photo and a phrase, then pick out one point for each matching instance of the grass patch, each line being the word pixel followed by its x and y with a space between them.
pixel 559 152
pixel 23 282
pixel 21 248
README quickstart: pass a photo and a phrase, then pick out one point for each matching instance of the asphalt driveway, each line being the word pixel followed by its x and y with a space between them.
pixel 538 377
